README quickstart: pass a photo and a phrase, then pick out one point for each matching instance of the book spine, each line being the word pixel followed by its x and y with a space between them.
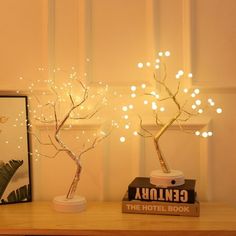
pixel 161 208
pixel 161 194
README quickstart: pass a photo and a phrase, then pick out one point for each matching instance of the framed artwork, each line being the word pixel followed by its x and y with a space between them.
pixel 15 181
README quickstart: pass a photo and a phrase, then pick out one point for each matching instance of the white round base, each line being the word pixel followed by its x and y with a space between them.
pixel 76 204
pixel 161 179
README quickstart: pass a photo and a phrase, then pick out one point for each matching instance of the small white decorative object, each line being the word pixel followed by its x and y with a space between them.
pixel 75 204
pixel 161 179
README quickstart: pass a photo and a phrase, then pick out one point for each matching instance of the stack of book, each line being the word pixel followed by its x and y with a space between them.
pixel 146 198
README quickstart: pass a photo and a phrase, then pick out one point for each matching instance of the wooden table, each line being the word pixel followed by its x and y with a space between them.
pixel 105 218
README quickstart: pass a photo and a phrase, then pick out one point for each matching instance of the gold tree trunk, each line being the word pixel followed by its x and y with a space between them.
pixel 164 166
pixel 75 181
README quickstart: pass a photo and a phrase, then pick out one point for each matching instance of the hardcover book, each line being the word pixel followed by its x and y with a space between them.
pixel 160 208
pixel 141 189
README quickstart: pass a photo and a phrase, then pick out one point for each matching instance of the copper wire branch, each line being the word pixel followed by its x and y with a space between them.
pixel 164 126
pixel 57 142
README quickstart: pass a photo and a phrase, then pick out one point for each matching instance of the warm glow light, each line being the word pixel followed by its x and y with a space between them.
pixel 157 66
pixel 177 76
pixel 143 86
pixel 102 133
pixel 126 126
pixel 204 134
pixel 133 88
pixel 219 110
pixel 124 108
pixel 190 75
pixel 212 104
pixel 181 72
pixel 154 106
pixel 126 117
pixel 140 65
pixel 135 133
pixel 145 102
pixel 160 54
pixel 194 106
pixel 210 100
pixel 148 64
pixel 185 90
pixel 153 93
pixel 158 60
pixel 122 139
pixel 198 102
pixel 162 109
pixel 167 53
pixel 200 111
pixel 193 95
pixel 133 95
pixel 131 106
pixel 197 133
pixel 197 91
pixel 210 133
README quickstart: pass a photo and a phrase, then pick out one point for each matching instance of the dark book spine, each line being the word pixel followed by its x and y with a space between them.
pixel 161 194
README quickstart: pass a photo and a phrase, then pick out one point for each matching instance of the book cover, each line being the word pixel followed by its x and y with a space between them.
pixel 141 189
pixel 160 208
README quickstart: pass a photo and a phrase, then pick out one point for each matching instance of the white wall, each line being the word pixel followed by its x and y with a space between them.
pixel 213 45
pixel 115 35
pixel 23 44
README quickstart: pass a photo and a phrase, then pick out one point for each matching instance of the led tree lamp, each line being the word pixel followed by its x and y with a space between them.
pixel 182 106
pixel 71 104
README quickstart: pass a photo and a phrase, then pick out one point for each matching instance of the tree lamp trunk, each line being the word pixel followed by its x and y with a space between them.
pixel 74 184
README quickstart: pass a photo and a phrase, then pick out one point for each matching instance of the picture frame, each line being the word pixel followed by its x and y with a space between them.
pixel 15 174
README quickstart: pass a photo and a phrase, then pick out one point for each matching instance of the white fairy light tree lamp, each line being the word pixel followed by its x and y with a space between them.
pixel 66 109
pixel 183 105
